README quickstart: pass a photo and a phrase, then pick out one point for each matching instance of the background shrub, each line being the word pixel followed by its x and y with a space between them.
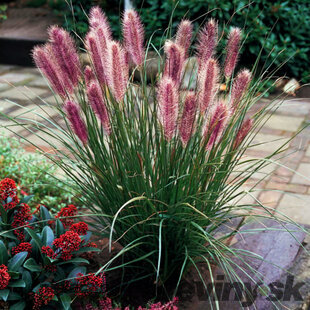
pixel 283 27
pixel 33 174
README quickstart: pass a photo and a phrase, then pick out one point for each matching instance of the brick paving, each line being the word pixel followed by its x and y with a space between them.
pixel 286 190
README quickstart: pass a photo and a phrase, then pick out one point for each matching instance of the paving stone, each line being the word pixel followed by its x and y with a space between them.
pixel 267 143
pixel 292 188
pixel 295 107
pixel 39 82
pixel 270 198
pixel 296 207
pixel 23 93
pixel 7 68
pixel 54 100
pixel 308 151
pixel 16 78
pixel 286 123
pixel 303 169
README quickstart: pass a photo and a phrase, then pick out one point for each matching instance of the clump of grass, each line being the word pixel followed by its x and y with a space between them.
pixel 158 164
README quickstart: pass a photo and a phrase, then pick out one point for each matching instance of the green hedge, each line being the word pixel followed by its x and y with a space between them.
pixel 283 27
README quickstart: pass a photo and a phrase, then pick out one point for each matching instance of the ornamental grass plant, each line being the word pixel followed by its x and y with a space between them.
pixel 159 164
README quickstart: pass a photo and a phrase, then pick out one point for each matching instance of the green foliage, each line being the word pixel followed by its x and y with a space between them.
pixel 3 8
pixel 281 27
pixel 34 174
pixel 29 268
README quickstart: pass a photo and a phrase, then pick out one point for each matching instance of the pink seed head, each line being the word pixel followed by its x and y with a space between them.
pixel 207 41
pixel 77 124
pixel 88 75
pixel 175 59
pixel 240 85
pixel 243 132
pixel 98 104
pixel 97 18
pixel 65 53
pixel 117 70
pixel 232 51
pixel 184 35
pixel 208 84
pixel 168 104
pixel 133 33
pixel 93 47
pixel 216 125
pixel 187 125
pixel 46 64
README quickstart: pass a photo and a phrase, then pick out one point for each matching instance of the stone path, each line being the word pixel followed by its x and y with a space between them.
pixel 286 190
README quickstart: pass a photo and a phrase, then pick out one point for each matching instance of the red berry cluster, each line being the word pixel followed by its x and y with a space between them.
pixel 48 251
pixel 21 218
pixel 80 228
pixel 68 211
pixel 63 286
pixel 4 277
pixel 22 247
pixel 88 284
pixel 8 193
pixel 42 297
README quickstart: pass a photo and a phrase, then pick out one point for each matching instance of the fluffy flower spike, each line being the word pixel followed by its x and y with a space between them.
pixel 216 124
pixel 47 65
pixel 207 41
pixel 97 18
pixel 65 53
pixel 133 33
pixel 174 61
pixel 168 101
pixel 88 75
pixel 208 84
pixel 184 35
pixel 240 85
pixel 98 104
pixel 78 125
pixel 117 70
pixel 243 132
pixel 187 125
pixel 94 48
pixel 232 50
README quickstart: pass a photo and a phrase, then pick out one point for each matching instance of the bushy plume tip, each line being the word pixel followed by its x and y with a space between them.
pixel 77 124
pixel 98 104
pixel 216 124
pixel 232 51
pixel 133 34
pixel 239 87
pixel 47 65
pixel 117 70
pixel 187 124
pixel 168 104
pixel 184 35
pixel 93 46
pixel 97 18
pixel 89 75
pixel 65 54
pixel 207 41
pixel 208 84
pixel 175 59
pixel 243 132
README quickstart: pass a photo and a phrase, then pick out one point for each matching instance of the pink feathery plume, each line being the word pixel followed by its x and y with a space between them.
pixel 187 125
pixel 184 35
pixel 207 41
pixel 232 51
pixel 98 104
pixel 97 18
pixel 175 59
pixel 94 48
pixel 243 132
pixel 208 84
pixel 77 124
pixel 117 70
pixel 168 104
pixel 216 124
pixel 239 87
pixel 133 34
pixel 65 54
pixel 45 63
pixel 89 75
